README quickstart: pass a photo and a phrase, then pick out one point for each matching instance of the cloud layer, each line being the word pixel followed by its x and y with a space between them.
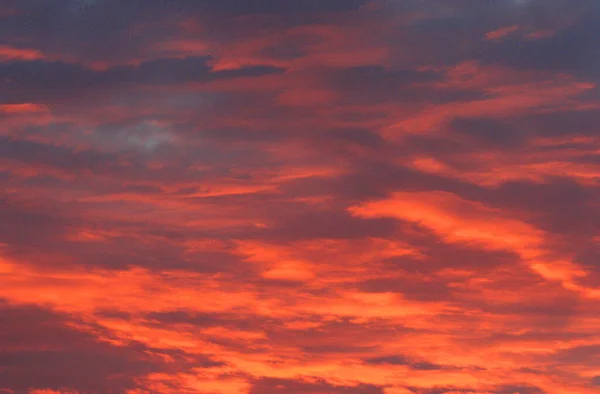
pixel 349 197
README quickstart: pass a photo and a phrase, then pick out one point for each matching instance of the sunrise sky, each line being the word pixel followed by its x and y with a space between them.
pixel 299 196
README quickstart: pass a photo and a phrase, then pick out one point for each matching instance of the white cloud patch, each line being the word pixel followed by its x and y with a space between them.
pixel 146 136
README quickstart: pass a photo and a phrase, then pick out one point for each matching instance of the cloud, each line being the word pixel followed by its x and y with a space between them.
pixel 24 81
pixel 526 389
pixel 571 49
pixel 225 197
pixel 63 357
pixel 284 386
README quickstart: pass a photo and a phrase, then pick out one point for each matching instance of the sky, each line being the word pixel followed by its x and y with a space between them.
pixel 299 196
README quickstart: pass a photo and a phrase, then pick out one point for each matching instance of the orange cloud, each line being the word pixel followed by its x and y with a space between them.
pixel 501 33
pixel 458 220
pixel 22 108
pixel 8 53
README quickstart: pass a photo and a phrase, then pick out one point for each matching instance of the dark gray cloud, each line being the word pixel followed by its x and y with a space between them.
pixel 28 226
pixel 488 133
pixel 521 389
pixel 573 49
pixel 42 81
pixel 441 390
pixel 559 205
pixel 329 224
pixel 40 351
pixel 37 153
pixel 277 386
pixel 588 354
pixel 376 84
pixel 115 30
pixel 403 360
